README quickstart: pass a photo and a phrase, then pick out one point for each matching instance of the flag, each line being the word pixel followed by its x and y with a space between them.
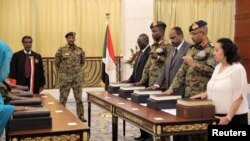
pixel 108 60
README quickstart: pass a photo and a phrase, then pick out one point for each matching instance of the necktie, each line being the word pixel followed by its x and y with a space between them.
pixel 175 52
pixel 139 55
pixel 27 67
pixel 137 61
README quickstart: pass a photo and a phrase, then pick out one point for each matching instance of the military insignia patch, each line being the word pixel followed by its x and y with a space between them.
pixel 154 23
pixel 36 61
pixel 201 54
pixel 159 50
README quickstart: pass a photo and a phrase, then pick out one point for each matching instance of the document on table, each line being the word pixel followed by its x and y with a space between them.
pixel 170 111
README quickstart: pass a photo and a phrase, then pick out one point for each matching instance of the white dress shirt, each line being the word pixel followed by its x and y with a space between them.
pixel 227 86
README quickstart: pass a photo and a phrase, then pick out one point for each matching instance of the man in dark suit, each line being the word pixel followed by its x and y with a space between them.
pixel 173 61
pixel 141 59
pixel 27 68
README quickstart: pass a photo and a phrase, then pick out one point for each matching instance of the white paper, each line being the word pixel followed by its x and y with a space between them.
pixel 121 103
pixel 170 111
pixel 132 88
pixel 158 118
pixel 120 84
pixel 115 94
pixel 72 123
pixel 59 111
pixel 128 98
pixel 51 103
pixel 143 104
pixel 134 109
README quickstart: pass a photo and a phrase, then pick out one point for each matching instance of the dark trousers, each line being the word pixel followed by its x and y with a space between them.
pixel 194 137
pixel 27 82
pixel 145 134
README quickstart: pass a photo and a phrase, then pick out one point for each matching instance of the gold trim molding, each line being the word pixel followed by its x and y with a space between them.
pixel 139 121
pixel 133 118
pixel 100 102
pixel 186 127
pixel 71 137
pixel 85 136
pixel 157 129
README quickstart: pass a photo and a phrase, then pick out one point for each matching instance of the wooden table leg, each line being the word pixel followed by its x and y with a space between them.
pixel 124 128
pixel 114 127
pixel 89 113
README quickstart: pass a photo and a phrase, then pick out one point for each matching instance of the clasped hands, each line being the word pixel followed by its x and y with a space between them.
pixel 189 60
pixel 154 55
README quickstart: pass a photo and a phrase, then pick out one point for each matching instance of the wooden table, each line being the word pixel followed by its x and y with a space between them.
pixel 155 122
pixel 61 130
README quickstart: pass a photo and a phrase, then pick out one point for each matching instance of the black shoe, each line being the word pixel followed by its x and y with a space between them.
pixel 149 139
pixel 83 119
pixel 138 138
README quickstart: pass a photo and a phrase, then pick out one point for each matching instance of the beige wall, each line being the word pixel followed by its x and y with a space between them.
pixel 136 17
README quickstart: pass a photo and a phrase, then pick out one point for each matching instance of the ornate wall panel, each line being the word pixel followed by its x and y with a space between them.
pixel 92 72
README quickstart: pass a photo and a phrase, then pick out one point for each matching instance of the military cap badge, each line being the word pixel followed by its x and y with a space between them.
pixel 158 24
pixel 70 34
pixel 154 23
pixel 197 24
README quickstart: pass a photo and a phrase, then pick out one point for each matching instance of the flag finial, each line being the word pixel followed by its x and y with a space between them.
pixel 107 16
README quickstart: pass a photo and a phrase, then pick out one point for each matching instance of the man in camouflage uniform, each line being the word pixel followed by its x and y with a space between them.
pixel 196 69
pixel 158 54
pixel 198 64
pixel 69 60
pixel 156 59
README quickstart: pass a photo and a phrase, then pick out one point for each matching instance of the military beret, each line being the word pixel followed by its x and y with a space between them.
pixel 158 24
pixel 196 25
pixel 70 34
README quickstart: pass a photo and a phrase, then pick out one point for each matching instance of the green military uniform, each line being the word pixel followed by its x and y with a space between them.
pixel 153 67
pixel 195 78
pixel 70 60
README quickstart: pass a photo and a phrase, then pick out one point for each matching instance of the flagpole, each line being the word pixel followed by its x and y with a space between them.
pixel 107 18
